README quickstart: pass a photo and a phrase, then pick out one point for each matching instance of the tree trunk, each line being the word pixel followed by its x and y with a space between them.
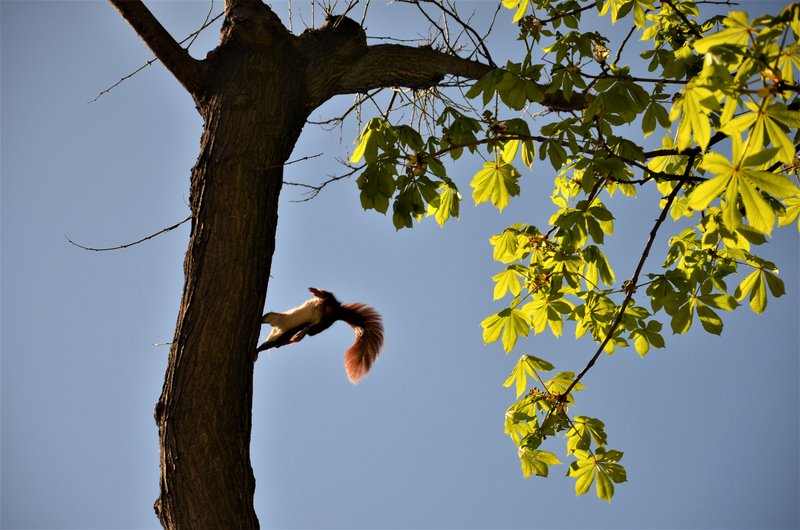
pixel 204 414
pixel 254 92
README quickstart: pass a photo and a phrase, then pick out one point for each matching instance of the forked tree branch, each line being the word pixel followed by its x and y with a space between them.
pixel 187 70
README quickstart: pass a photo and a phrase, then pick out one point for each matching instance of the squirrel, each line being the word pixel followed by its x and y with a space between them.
pixel 317 315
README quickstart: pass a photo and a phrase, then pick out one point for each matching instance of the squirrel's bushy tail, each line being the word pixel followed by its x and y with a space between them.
pixel 368 327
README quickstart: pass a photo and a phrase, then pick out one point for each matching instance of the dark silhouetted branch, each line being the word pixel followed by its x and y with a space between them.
pixel 187 70
pixel 126 245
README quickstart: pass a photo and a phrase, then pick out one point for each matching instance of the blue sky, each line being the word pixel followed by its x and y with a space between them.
pixel 709 426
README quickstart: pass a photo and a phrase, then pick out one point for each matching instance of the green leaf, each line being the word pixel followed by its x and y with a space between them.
pixel 506 281
pixel 775 284
pixel 445 205
pixel 720 301
pixel 528 153
pixel 361 148
pixel 710 320
pixel 790 118
pixel 583 470
pixel 497 182
pixel 737 33
pixel 521 7
pixel 526 365
pixel 605 488
pixel 517 324
pixel 760 157
pixel 535 462
pixel 492 327
pixel 538 364
pixel 603 465
pixel 792 212
pixel 753 284
pixel 583 432
pixel 739 123
pixel 641 345
pixel 773 183
pixel 510 323
pixel 701 196
pixel 510 151
pixel 518 377
pixel 759 212
pixel 693 106
pixel 654 113
pixel 505 246
pixel 682 319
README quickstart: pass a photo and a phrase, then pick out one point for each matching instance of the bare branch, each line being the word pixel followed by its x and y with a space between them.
pixel 336 121
pixel 187 70
pixel 122 80
pixel 191 38
pixel 622 46
pixel 396 65
pixel 313 190
pixel 126 245
pixel 296 160
pixel 474 36
pixel 418 40
pixel 204 25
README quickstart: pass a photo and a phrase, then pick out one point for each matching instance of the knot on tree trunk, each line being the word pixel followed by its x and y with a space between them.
pixel 251 22
pixel 330 50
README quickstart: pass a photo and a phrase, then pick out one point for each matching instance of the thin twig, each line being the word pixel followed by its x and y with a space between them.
pixel 126 245
pixel 621 46
pixel 203 25
pixel 296 160
pixel 691 25
pixel 337 121
pixel 574 12
pixel 364 14
pixel 313 191
pixel 480 43
pixel 154 59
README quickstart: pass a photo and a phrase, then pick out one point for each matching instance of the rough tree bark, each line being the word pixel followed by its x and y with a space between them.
pixel 254 92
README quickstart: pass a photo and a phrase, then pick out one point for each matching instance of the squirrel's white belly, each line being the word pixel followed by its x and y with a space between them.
pixel 306 314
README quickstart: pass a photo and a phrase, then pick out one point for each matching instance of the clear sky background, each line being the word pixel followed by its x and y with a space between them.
pixel 709 426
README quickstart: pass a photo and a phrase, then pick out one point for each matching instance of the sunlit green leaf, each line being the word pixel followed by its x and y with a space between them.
pixel 682 319
pixel 693 107
pixel 759 212
pixel 495 182
pixel 535 462
pixel 364 142
pixel 521 7
pixel 492 328
pixel 737 33
pixel 517 324
pixel 527 365
pixel 506 281
pixel 702 195
pixel 710 320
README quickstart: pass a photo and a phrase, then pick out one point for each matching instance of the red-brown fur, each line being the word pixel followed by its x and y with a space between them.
pixel 368 327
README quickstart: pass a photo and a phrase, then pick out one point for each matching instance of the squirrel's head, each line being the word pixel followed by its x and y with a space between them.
pixel 326 296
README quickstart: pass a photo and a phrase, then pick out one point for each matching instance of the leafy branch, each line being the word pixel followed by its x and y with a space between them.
pixel 632 283
pixel 719 86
